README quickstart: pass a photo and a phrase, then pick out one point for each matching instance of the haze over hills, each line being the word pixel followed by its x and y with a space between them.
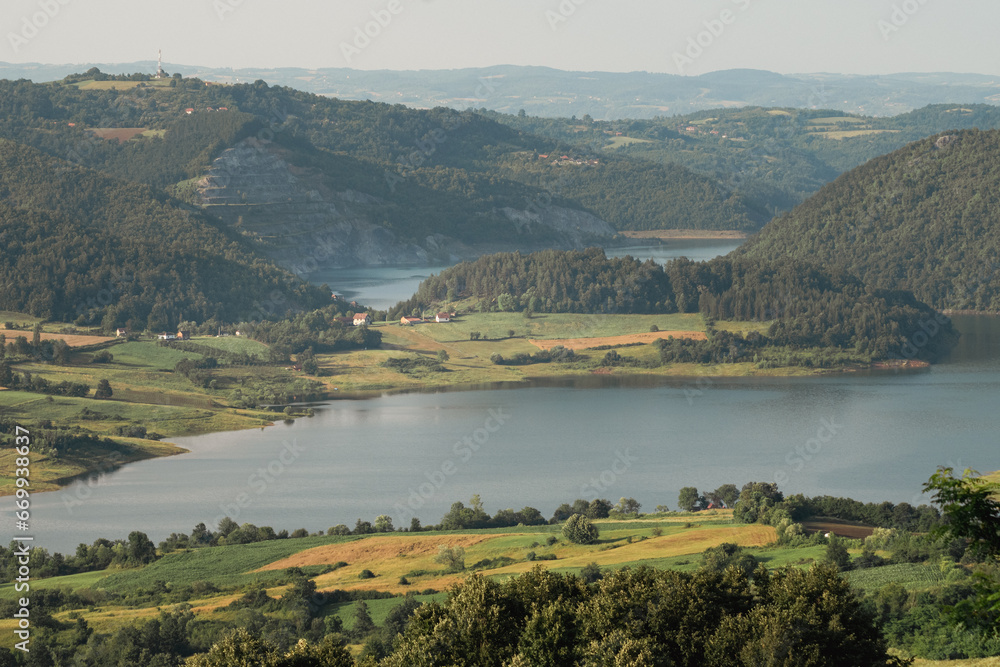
pixel 544 91
pixel 925 218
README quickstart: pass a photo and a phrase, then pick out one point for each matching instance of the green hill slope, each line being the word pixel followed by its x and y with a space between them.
pixel 924 218
pixel 78 243
pixel 417 161
pixel 770 158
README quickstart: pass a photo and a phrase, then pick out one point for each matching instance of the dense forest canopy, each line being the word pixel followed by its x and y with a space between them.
pixel 441 151
pixel 80 244
pixel 924 218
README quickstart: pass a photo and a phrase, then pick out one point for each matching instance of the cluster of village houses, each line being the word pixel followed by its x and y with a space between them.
pixel 358 320
pixel 190 110
pixel 440 317
pixel 565 159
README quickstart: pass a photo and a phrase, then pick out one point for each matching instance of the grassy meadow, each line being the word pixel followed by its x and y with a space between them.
pixel 469 362
pixel 404 563
pixel 658 541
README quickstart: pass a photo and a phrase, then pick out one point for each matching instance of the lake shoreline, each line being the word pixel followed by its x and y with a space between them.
pixel 583 379
pixel 688 234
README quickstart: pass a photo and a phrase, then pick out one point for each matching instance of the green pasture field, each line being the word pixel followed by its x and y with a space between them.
pixel 235 345
pixel 557 325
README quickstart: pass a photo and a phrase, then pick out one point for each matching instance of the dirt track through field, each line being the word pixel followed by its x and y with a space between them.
pixel 584 343
pixel 71 340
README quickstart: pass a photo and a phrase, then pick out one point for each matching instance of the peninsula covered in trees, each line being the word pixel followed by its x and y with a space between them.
pixel 806 305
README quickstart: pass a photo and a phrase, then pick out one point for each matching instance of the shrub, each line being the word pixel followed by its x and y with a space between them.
pixel 453 558
pixel 366 574
pixel 579 530
pixel 591 573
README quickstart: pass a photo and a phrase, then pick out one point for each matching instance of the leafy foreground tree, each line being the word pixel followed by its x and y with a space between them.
pixel 971 505
pixel 244 649
pixel 646 618
pixel 972 509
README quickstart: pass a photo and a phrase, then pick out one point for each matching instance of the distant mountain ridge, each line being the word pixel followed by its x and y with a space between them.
pixel 544 91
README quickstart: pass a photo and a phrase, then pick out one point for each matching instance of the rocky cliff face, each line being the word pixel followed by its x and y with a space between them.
pixel 306 224
pixel 302 225
pixel 573 228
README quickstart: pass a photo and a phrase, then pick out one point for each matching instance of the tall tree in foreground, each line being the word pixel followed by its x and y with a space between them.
pixel 649 618
pixel 972 509
pixel 971 505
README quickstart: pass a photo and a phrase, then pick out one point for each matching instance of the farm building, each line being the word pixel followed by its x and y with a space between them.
pixel 410 320
pixel 183 335
pixel 443 317
pixel 362 319
pixel 121 333
pixel 167 336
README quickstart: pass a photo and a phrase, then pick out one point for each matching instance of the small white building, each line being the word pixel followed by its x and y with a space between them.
pixel 443 317
pixel 362 319
pixel 120 333
pixel 167 336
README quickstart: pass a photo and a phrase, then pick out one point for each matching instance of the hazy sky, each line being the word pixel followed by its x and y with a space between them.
pixel 847 36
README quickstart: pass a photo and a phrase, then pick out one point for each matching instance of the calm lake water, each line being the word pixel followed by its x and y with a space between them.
pixel 872 437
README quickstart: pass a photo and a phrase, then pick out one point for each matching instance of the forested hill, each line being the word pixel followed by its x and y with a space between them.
pixel 807 306
pixel 418 161
pixel 775 158
pixel 925 218
pixel 78 244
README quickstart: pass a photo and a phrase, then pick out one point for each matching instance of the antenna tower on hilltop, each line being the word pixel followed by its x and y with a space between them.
pixel 160 74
